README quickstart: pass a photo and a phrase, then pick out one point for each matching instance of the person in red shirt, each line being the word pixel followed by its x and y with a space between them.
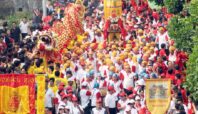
pixel 170 74
pixel 178 80
pixel 155 15
pixel 162 51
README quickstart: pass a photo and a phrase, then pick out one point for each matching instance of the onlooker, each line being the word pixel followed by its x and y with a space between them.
pixel 24 27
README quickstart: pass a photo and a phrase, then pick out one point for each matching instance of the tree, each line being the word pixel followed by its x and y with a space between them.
pixel 192 72
pixel 192 66
pixel 174 6
pixel 158 2
pixel 181 30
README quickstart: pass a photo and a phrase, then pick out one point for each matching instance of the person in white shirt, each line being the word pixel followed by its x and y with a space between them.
pixel 66 103
pixel 131 103
pixel 24 27
pixel 162 38
pixel 122 103
pixel 95 94
pixel 110 100
pixel 85 98
pixel 76 108
pixel 49 95
pixel 98 109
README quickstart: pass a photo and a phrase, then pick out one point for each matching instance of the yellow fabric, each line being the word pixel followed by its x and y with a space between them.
pixel 38 70
pixel 110 5
pixel 9 95
pixel 158 95
pixel 51 76
pixel 40 106
pixel 31 70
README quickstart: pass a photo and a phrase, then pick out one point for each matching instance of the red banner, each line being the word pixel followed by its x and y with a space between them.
pixel 17 94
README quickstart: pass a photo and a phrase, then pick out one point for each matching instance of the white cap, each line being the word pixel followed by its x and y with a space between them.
pixel 137 98
pixel 131 101
pixel 140 82
pixel 84 84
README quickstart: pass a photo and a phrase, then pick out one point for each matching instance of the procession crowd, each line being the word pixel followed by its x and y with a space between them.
pixel 98 75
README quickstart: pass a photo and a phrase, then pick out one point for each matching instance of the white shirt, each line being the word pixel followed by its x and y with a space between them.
pixel 128 79
pixel 123 104
pixel 48 98
pixel 69 104
pixel 110 100
pixel 75 110
pixel 81 74
pixel 162 39
pixel 97 111
pixel 84 98
pixel 94 96
pixel 24 27
pixel 134 111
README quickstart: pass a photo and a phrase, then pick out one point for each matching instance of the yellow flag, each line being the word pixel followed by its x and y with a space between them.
pixel 40 106
pixel 158 95
pixel 17 94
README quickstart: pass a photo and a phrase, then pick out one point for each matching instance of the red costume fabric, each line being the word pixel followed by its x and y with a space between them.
pixel 120 24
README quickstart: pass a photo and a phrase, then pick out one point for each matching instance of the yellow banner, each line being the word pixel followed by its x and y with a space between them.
pixel 110 5
pixel 14 100
pixel 158 95
pixel 40 106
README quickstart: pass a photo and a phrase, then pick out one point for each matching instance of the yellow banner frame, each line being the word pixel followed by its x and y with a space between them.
pixel 158 95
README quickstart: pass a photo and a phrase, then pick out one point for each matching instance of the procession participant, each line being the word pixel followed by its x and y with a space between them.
pixel 116 83
pixel 65 102
pixel 122 103
pixel 99 108
pixel 110 100
pixel 162 38
pixel 127 76
pixel 76 108
pixel 101 81
pixel 95 94
pixel 85 95
pixel 49 96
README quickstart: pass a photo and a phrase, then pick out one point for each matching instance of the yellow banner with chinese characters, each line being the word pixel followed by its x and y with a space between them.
pixel 158 95
pixel 40 106
pixel 14 100
pixel 17 94
pixel 110 5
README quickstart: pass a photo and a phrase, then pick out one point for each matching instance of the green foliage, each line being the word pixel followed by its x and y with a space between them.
pixel 193 9
pixel 158 2
pixel 192 66
pixel 192 72
pixel 18 16
pixel 174 6
pixel 181 30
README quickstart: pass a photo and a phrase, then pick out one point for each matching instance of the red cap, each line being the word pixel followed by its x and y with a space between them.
pixel 70 91
pixel 69 88
pixel 74 98
pixel 131 96
pixel 122 94
pixel 61 84
pixel 130 88
pixel 69 95
pixel 60 88
pixel 65 96
pixel 62 93
pixel 111 88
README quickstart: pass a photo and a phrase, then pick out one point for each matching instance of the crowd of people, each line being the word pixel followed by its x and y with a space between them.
pixel 97 75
